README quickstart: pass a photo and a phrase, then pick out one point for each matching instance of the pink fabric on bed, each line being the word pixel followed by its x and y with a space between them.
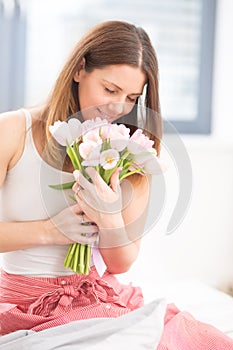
pixel 40 303
pixel 183 332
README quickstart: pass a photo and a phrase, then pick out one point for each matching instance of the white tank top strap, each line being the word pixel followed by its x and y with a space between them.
pixel 28 118
pixel 29 138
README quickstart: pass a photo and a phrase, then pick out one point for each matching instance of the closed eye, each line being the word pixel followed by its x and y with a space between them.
pixel 112 92
pixel 132 99
pixel 109 90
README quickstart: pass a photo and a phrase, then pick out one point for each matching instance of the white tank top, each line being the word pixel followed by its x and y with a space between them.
pixel 26 196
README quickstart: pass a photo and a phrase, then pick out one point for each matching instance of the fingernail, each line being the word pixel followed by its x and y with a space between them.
pixel 76 174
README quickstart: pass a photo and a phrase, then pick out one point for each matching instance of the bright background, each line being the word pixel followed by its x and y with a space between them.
pixel 202 245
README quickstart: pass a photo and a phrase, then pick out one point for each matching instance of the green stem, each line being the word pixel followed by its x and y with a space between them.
pixel 87 259
pixel 124 156
pixel 130 173
pixel 69 255
pixel 81 258
pixel 75 260
pixel 73 156
pixel 68 252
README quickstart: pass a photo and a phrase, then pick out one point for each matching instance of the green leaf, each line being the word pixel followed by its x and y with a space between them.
pixel 139 170
pixel 105 145
pixel 125 154
pixel 64 186
pixel 76 149
pixel 72 197
pixel 107 174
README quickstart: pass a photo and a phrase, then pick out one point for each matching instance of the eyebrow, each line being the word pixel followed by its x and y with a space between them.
pixel 109 82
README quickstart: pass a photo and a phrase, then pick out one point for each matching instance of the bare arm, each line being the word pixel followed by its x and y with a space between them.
pixel 127 227
pixel 64 228
pixel 12 130
pixel 18 235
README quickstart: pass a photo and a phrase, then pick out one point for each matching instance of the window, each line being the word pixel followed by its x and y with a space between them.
pixel 12 57
pixel 182 32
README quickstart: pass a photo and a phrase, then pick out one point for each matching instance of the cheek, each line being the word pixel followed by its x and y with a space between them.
pixel 129 107
pixel 84 95
pixel 89 96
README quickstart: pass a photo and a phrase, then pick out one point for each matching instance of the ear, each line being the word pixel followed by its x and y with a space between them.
pixel 81 66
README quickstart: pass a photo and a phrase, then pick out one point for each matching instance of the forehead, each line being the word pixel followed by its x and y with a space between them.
pixel 124 76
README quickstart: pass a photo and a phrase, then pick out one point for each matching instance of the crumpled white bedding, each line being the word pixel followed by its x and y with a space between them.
pixel 205 303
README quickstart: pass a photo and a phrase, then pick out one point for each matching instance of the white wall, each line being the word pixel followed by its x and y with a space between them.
pixel 202 246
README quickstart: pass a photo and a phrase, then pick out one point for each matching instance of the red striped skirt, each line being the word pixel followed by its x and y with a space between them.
pixel 40 303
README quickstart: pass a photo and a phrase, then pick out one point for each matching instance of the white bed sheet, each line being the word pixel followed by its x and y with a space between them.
pixel 205 303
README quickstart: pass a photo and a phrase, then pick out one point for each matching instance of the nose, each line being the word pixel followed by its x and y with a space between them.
pixel 116 109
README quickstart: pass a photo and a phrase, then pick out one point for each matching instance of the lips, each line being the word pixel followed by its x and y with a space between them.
pixel 107 116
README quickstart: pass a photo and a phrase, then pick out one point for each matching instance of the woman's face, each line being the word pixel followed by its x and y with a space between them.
pixel 110 92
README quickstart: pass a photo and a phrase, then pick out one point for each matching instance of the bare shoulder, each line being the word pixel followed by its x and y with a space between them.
pixel 12 123
pixel 12 131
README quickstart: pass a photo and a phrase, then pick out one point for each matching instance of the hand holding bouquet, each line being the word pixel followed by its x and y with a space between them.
pixel 105 147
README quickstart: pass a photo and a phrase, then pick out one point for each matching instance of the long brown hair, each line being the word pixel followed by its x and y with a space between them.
pixel 109 43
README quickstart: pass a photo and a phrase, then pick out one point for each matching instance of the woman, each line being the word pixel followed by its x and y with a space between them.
pixel 105 76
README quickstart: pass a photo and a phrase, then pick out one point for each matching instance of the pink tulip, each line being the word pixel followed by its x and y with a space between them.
pixel 93 158
pixel 150 163
pixel 92 124
pixel 139 142
pixel 118 135
pixel 86 148
pixel 93 135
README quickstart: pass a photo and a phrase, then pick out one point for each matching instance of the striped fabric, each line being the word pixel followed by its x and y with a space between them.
pixel 40 303
pixel 183 332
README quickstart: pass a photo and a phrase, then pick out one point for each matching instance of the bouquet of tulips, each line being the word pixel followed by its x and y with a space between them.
pixel 104 146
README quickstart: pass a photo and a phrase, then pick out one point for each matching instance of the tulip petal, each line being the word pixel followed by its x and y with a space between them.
pixel 60 132
pixel 74 128
pixel 109 159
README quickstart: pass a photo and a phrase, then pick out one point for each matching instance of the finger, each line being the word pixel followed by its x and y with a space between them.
pixel 76 174
pixel 82 181
pixel 76 209
pixel 85 239
pixel 84 205
pixel 89 239
pixel 75 187
pixel 97 179
pixel 89 229
pixel 86 220
pixel 114 180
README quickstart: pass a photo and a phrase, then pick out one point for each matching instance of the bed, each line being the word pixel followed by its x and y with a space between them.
pixel 142 328
pixel 204 302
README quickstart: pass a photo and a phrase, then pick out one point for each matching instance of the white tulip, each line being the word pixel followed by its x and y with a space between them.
pixel 64 132
pixel 109 159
